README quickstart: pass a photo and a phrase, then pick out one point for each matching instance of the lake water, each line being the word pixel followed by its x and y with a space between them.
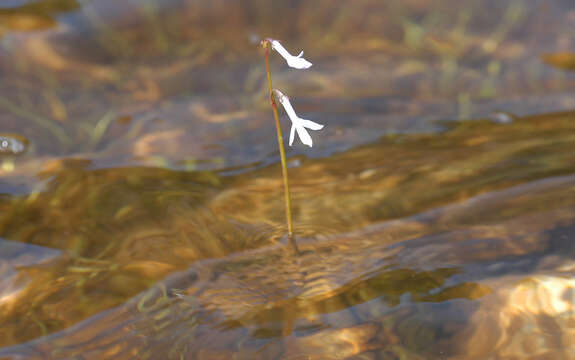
pixel 141 195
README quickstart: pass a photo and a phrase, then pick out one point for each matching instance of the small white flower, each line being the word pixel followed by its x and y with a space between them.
pixel 298 124
pixel 296 62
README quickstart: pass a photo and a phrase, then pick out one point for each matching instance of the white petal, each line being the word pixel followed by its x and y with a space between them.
pixel 284 100
pixel 277 46
pixel 304 136
pixel 291 134
pixel 293 61
pixel 298 63
pixel 311 124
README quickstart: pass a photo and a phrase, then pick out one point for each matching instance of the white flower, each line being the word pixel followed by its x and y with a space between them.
pixel 298 124
pixel 296 62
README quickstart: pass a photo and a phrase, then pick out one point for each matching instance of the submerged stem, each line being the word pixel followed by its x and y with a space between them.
pixel 282 151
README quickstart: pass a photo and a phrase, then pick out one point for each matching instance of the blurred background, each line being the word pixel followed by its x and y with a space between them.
pixel 140 79
pixel 140 139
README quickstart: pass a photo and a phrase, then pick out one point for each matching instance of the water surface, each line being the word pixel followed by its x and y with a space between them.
pixel 141 205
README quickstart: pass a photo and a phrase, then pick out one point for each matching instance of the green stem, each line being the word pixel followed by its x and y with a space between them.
pixel 282 151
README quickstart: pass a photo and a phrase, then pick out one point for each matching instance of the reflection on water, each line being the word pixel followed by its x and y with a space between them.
pixel 186 79
pixel 141 212
pixel 367 283
pixel 15 257
pixel 12 144
pixel 34 15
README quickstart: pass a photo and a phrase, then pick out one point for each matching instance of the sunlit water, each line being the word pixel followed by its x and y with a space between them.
pixel 141 204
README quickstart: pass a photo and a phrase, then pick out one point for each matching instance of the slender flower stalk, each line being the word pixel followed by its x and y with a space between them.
pixel 265 44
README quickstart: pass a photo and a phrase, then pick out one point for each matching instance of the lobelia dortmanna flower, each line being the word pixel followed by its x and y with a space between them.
pixel 296 62
pixel 297 124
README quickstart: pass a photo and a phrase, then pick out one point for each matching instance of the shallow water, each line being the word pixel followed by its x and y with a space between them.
pixel 141 204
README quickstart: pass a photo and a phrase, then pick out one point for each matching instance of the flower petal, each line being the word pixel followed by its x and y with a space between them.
pixel 312 125
pixel 277 46
pixel 284 100
pixel 296 62
pixel 304 135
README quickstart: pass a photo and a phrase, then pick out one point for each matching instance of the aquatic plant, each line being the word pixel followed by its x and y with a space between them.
pixel 299 125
